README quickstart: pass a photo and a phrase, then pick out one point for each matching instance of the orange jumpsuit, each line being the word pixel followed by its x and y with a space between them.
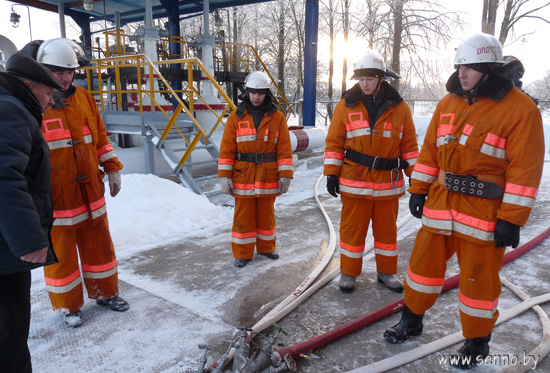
pixel 78 144
pixel 255 185
pixel 369 194
pixel 500 141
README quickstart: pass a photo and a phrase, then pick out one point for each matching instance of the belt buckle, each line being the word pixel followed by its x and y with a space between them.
pixel 259 157
pixel 374 162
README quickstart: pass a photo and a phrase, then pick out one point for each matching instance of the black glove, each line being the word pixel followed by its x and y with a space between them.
pixel 333 186
pixel 416 204
pixel 506 234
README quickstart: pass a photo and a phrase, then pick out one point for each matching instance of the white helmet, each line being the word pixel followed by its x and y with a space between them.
pixel 479 48
pixel 371 64
pixel 60 52
pixel 257 80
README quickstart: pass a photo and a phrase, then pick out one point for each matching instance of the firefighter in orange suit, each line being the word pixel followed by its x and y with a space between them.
pixel 480 169
pixel 255 165
pixel 78 144
pixel 371 141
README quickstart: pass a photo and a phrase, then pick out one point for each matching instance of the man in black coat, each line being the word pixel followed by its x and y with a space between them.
pixel 26 212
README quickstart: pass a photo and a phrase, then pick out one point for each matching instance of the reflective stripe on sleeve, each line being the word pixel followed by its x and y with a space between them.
pixel 520 195
pixel 225 164
pixel 333 158
pixel 286 164
pixel 425 173
pixel 226 167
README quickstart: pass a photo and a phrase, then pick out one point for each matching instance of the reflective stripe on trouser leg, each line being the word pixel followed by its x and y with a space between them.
pixel 243 233
pixel 98 260
pixel 384 230
pixel 63 280
pixel 426 271
pixel 265 225
pixel 479 287
pixel 354 224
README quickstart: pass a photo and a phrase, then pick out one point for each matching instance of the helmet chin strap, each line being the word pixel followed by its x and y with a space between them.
pixel 472 92
pixel 377 89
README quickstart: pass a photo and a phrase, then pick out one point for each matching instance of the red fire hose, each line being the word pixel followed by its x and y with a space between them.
pixel 368 319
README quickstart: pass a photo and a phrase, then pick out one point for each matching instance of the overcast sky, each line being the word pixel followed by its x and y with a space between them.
pixel 531 51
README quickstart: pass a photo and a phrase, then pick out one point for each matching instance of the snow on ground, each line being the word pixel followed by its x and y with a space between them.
pixel 153 212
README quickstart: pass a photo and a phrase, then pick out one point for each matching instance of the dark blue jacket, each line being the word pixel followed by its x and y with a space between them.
pixel 26 209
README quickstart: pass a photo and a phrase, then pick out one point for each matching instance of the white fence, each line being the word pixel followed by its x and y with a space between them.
pixel 419 108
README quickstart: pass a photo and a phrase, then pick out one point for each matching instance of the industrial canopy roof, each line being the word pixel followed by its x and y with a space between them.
pixel 132 10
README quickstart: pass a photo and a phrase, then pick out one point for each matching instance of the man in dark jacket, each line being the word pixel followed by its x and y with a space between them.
pixel 26 216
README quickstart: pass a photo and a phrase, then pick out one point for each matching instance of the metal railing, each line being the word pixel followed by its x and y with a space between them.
pixel 244 58
pixel 144 86
pixel 237 57
pixel 121 44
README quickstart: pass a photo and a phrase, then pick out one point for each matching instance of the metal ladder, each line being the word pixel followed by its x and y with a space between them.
pixel 150 125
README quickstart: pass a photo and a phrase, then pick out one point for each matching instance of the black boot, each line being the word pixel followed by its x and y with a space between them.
pixel 74 320
pixel 271 255
pixel 115 303
pixel 409 325
pixel 473 351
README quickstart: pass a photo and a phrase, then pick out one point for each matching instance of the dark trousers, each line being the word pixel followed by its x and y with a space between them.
pixel 15 318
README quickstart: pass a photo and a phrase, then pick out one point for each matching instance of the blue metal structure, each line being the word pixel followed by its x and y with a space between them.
pixel 310 63
pixel 134 11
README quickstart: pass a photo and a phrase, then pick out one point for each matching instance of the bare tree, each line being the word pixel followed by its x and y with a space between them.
pixel 513 14
pixel 489 16
pixel 281 40
pixel 281 44
pixel 397 12
pixel 329 19
pixel 540 89
pixel 345 27
pixel 417 27
pixel 368 21
pixel 297 13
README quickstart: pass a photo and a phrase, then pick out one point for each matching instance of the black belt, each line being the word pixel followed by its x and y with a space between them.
pixel 257 157
pixel 376 163
pixel 472 186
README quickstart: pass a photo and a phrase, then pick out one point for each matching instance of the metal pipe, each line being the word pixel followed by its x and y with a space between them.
pixel 148 13
pixel 61 11
pixel 206 12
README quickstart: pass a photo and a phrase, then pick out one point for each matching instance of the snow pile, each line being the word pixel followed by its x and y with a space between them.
pixel 150 211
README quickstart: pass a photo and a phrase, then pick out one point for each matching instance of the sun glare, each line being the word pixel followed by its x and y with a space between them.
pixel 353 50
